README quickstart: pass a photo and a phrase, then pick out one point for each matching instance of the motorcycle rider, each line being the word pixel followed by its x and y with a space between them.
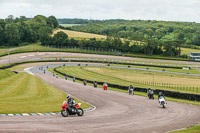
pixel 105 85
pixel 159 95
pixel 131 88
pixel 71 102
pixel 74 78
pixel 66 77
pixel 84 81
pixel 149 90
pixel 95 83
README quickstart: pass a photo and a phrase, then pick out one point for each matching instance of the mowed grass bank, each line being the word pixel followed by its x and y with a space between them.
pixel 24 93
pixel 128 76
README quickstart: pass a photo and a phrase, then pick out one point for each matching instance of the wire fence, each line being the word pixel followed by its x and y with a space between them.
pixel 179 87
pixel 62 48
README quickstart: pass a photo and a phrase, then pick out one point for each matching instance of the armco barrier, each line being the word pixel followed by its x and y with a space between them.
pixel 173 94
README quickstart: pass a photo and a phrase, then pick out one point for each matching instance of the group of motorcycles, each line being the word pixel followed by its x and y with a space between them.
pixel 67 110
pixel 161 98
pixel 105 85
pixel 150 94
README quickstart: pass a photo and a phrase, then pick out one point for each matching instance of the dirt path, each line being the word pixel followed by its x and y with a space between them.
pixel 115 112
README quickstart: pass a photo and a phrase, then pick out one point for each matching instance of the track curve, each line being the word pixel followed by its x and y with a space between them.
pixel 115 112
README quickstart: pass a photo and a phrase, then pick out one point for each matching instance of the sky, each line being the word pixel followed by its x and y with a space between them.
pixel 166 10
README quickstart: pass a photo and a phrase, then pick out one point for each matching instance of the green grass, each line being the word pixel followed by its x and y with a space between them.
pixel 5 73
pixel 37 47
pixel 193 129
pixel 187 51
pixel 24 93
pixel 136 77
pixel 191 71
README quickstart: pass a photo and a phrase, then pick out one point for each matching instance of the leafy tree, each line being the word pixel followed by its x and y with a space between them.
pixel 44 35
pixel 2 32
pixel 196 39
pixel 12 34
pixel 60 39
pixel 10 19
pixel 40 19
pixel 52 22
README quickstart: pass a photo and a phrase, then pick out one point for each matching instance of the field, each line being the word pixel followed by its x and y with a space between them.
pixel 155 80
pixel 69 25
pixel 187 51
pixel 24 93
pixel 76 34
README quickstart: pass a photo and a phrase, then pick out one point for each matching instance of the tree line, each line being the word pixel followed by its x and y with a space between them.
pixel 22 30
pixel 168 37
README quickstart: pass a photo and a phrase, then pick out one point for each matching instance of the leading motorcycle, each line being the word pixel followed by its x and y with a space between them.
pixel 162 101
pixel 71 110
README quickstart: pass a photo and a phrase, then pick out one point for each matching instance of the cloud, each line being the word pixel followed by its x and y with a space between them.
pixel 170 10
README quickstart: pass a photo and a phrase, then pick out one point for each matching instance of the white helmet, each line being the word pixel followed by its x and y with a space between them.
pixel 68 96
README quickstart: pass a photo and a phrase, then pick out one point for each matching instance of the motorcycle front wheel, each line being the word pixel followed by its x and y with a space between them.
pixel 80 112
pixel 64 113
pixel 163 104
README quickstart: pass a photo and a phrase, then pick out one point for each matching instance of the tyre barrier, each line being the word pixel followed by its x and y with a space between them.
pixel 172 94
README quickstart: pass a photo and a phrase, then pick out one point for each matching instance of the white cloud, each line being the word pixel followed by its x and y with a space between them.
pixel 172 10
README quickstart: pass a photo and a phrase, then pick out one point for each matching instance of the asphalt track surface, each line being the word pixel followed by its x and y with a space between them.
pixel 115 112
pixel 38 55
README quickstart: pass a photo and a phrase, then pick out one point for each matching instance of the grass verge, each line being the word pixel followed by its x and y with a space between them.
pixel 192 129
pixel 24 93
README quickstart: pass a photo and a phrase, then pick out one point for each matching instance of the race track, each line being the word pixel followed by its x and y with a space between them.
pixel 38 55
pixel 115 112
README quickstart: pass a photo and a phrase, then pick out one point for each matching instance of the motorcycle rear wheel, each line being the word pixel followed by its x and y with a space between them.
pixel 80 112
pixel 64 113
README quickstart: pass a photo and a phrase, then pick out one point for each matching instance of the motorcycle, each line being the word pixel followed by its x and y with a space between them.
pixel 68 110
pixel 105 87
pixel 150 94
pixel 95 85
pixel 162 101
pixel 131 92
pixel 85 82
